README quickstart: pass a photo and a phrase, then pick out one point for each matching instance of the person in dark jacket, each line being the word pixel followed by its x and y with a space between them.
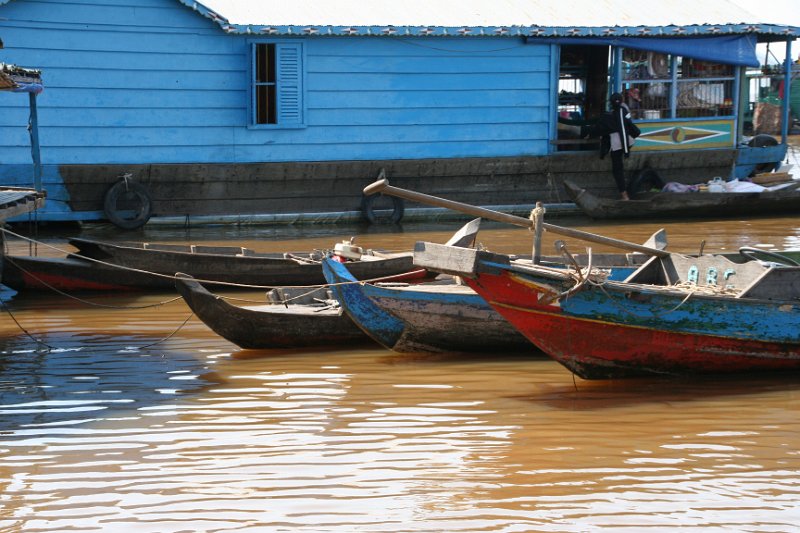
pixel 617 133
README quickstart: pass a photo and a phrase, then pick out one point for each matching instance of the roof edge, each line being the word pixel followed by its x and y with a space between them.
pixel 768 31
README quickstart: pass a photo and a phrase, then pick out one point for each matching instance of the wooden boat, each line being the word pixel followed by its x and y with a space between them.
pixel 437 316
pixel 440 316
pixel 690 204
pixel 292 317
pixel 140 266
pixel 676 314
pixel 76 273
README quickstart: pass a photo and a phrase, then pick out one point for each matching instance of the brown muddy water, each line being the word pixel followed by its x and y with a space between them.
pixel 125 413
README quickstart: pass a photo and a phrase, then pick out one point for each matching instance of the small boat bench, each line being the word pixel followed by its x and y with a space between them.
pixel 195 249
pixel 752 279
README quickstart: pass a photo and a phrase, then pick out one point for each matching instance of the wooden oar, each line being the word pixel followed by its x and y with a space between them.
pixel 382 186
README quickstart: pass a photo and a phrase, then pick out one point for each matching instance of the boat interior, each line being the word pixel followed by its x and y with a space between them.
pixel 751 279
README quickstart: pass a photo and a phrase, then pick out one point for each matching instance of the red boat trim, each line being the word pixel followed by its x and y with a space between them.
pixel 49 281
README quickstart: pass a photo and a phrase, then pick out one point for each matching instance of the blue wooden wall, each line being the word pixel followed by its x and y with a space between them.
pixel 152 81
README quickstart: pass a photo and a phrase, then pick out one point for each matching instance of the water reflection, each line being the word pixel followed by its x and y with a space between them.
pixel 138 420
pixel 67 380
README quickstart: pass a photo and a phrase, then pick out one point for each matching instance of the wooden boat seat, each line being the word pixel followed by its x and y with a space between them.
pixel 703 271
pixel 774 284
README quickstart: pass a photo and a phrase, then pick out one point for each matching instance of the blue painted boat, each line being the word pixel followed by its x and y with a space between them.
pixel 676 314
pixel 427 317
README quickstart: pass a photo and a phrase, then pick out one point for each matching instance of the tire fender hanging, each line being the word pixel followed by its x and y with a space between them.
pixel 127 204
pixel 368 208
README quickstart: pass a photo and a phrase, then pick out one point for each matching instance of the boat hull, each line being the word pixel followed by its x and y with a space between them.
pixel 686 205
pixel 270 325
pixel 128 268
pixel 432 318
pixel 607 329
pixel 621 340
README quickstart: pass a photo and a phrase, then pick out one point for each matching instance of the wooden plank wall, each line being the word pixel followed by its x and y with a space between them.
pixel 151 81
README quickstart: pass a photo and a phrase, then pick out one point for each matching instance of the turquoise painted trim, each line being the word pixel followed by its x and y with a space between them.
pixel 679 134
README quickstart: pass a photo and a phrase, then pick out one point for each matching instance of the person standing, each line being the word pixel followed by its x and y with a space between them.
pixel 617 134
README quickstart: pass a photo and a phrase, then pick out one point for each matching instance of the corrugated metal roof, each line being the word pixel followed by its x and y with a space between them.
pixel 486 17
pixel 481 12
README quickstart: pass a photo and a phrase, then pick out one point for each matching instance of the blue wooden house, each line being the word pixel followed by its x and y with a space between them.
pixel 235 108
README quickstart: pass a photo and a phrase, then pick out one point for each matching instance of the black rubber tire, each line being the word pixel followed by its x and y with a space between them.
pixel 644 180
pixel 762 139
pixel 135 199
pixel 368 208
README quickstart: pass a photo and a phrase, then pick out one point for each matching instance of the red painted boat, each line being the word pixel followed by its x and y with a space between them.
pixel 675 315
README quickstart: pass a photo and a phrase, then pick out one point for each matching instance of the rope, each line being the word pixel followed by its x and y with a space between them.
pixel 691 289
pixel 312 288
pixel 599 279
pixel 50 348
pixel 170 335
pixel 536 212
pixel 25 331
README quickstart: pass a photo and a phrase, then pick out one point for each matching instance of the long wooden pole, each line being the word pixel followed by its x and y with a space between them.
pixel 382 186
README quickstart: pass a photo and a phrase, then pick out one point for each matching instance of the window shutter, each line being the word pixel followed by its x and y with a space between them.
pixel 290 84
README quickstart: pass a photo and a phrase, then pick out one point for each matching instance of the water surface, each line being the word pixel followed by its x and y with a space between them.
pixel 125 413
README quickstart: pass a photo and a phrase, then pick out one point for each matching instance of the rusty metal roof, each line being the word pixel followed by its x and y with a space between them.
pixel 489 17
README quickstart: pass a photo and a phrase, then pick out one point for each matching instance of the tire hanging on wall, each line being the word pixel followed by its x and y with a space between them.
pixel 127 204
pixel 368 208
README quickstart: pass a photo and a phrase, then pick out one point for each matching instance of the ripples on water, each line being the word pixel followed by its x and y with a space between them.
pixel 121 418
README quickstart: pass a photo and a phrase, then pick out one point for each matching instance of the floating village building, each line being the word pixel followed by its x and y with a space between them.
pixel 265 110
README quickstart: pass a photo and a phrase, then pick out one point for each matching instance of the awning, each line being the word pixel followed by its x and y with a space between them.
pixel 729 49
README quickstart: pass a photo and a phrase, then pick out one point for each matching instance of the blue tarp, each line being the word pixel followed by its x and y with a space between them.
pixel 729 49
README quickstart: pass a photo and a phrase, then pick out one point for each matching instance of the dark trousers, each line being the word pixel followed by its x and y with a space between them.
pixel 618 169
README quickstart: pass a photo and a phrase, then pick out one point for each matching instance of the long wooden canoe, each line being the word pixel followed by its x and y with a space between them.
pixel 102 266
pixel 291 319
pixel 686 205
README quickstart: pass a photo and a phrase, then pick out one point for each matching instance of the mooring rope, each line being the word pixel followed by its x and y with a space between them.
pixel 50 347
pixel 20 326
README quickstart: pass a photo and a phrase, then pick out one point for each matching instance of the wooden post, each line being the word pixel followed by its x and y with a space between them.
pixel 537 215
pixel 33 125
